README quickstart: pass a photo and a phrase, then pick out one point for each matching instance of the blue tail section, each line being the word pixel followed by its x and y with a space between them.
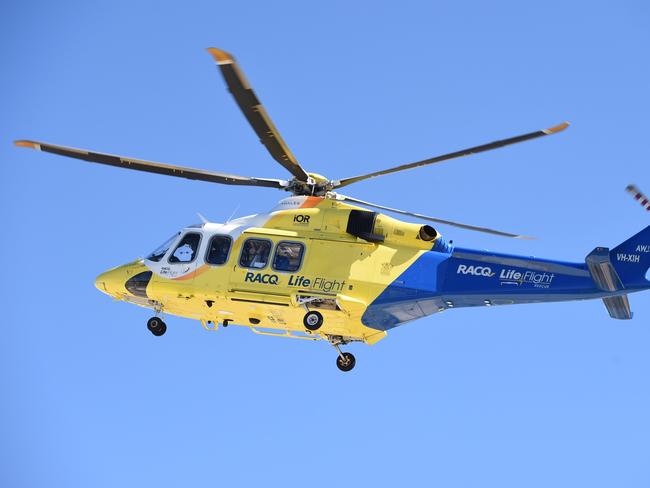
pixel 631 259
pixel 438 281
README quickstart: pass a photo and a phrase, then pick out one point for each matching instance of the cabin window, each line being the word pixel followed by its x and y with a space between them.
pixel 218 250
pixel 186 250
pixel 288 256
pixel 255 253
pixel 161 250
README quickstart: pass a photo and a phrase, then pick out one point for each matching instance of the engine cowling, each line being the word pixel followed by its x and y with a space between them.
pixel 376 227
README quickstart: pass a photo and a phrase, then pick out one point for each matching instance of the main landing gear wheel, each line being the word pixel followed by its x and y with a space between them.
pixel 312 320
pixel 156 326
pixel 345 361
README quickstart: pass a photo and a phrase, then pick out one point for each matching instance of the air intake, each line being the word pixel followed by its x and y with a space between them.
pixel 361 224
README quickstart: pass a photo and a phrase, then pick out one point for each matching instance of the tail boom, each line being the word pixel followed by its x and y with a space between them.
pixel 438 281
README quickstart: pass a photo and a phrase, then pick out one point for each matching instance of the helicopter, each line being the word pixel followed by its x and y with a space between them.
pixel 322 265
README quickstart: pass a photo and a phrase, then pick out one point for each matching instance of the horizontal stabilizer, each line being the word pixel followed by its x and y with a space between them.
pixel 607 279
pixel 602 271
pixel 618 307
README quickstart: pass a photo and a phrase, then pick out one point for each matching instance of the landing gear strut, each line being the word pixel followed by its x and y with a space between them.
pixel 156 326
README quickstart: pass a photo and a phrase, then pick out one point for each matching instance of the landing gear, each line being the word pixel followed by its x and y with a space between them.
pixel 312 320
pixel 156 326
pixel 345 361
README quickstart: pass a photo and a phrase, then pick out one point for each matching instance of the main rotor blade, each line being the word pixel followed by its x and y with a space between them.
pixel 486 230
pixel 457 154
pixel 255 113
pixel 151 166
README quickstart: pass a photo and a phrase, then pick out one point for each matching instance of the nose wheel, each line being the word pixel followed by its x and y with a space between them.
pixel 156 326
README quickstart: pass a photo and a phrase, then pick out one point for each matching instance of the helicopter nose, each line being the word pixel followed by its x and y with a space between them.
pixel 109 282
pixel 127 279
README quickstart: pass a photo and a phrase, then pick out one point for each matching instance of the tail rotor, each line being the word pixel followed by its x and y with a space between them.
pixel 639 196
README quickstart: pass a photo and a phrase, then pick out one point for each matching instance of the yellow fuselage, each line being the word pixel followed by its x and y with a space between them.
pixel 339 274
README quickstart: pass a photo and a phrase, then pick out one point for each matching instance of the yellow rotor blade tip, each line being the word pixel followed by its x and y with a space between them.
pixel 220 56
pixel 29 144
pixel 557 128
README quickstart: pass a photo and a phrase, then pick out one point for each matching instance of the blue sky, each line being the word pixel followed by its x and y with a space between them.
pixel 537 395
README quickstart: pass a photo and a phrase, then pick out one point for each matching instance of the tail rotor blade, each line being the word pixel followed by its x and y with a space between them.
pixel 643 200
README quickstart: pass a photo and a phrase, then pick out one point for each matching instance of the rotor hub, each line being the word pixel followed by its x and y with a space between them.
pixel 316 185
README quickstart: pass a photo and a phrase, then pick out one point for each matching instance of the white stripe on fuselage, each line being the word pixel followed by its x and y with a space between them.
pixel 233 228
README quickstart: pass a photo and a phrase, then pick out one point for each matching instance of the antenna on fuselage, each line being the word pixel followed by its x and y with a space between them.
pixel 203 219
pixel 233 213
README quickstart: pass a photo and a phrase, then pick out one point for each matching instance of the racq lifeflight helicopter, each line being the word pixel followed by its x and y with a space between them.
pixel 317 267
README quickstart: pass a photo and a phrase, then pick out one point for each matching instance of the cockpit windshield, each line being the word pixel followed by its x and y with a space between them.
pixel 161 250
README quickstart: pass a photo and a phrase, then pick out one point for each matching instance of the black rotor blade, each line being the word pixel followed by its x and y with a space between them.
pixel 255 113
pixel 151 166
pixel 457 154
pixel 485 230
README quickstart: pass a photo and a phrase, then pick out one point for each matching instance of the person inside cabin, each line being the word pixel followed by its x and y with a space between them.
pixel 185 252
pixel 256 253
pixel 282 258
pixel 223 248
pixel 288 256
pixel 218 251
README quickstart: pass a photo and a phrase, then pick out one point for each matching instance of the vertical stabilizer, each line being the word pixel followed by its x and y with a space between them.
pixel 632 260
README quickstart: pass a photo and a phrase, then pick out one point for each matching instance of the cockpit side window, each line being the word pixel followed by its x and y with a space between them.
pixel 288 256
pixel 161 250
pixel 255 253
pixel 186 250
pixel 218 250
